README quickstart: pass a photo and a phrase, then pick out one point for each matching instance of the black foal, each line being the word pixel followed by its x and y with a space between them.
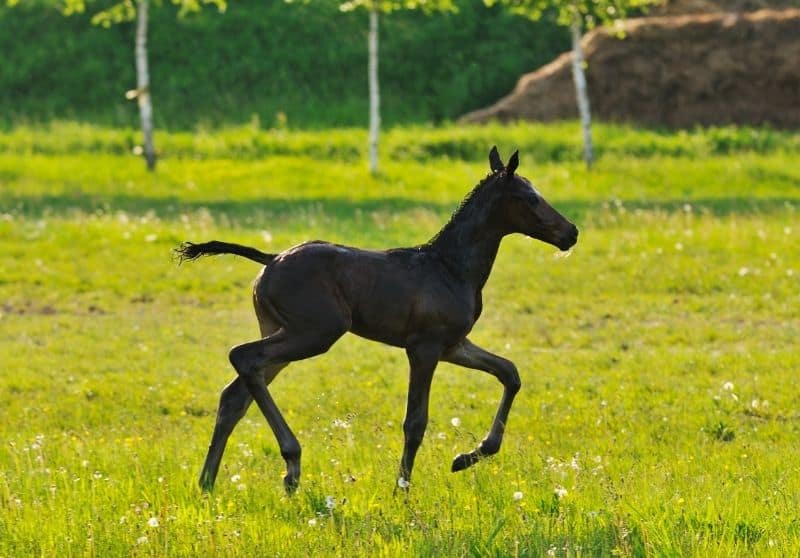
pixel 424 299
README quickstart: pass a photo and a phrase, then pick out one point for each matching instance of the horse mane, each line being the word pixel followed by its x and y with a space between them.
pixel 468 210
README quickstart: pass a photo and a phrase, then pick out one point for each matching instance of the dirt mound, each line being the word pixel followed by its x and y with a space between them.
pixel 675 71
pixel 676 7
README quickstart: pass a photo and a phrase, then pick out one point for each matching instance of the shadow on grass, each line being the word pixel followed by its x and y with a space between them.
pixel 173 207
pixel 67 205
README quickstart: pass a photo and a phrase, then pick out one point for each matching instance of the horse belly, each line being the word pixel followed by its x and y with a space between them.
pixel 383 318
pixel 398 316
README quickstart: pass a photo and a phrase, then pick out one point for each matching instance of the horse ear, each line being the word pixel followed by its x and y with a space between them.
pixel 513 163
pixel 494 160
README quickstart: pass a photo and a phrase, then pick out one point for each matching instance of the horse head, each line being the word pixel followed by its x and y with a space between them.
pixel 520 208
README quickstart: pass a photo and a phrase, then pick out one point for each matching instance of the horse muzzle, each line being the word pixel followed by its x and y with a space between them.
pixel 568 239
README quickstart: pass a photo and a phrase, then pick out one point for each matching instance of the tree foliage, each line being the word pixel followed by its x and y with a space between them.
pixel 125 10
pixel 590 12
pixel 389 6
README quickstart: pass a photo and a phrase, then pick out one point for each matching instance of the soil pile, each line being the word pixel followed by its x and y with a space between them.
pixel 675 71
pixel 680 7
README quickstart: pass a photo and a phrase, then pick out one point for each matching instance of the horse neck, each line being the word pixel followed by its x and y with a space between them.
pixel 469 248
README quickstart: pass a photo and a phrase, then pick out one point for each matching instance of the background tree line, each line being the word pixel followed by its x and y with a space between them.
pixel 304 64
pixel 575 14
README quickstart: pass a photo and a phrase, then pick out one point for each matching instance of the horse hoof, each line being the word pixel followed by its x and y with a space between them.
pixel 462 462
pixel 290 484
pixel 206 484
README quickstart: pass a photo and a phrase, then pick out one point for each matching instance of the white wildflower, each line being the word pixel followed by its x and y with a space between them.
pixel 236 478
pixel 403 483
pixel 142 540
pixel 560 491
pixel 455 421
pixel 727 386
pixel 330 502
pixel 517 495
pixel 153 522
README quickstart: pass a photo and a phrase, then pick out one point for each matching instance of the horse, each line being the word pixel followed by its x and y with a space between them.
pixel 424 299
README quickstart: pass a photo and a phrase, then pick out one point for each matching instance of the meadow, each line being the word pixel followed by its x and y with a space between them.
pixel 660 407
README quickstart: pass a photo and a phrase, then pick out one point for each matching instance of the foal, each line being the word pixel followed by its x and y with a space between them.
pixel 424 299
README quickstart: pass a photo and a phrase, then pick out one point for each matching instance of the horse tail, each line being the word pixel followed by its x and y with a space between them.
pixel 192 251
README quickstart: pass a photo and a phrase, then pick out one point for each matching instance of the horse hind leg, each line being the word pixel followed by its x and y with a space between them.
pixel 234 402
pixel 279 349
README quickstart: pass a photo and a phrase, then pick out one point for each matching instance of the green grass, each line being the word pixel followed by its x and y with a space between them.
pixel 659 361
pixel 542 143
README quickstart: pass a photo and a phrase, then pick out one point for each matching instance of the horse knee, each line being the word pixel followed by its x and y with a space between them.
pixel 291 451
pixel 509 376
pixel 241 358
pixel 235 357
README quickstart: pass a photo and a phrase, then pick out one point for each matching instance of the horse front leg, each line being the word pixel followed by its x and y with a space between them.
pixel 469 355
pixel 422 360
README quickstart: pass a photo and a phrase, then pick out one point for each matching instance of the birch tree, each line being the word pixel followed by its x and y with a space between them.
pixel 124 12
pixel 578 16
pixel 142 91
pixel 375 9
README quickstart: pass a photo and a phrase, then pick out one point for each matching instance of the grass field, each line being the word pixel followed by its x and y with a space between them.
pixel 660 409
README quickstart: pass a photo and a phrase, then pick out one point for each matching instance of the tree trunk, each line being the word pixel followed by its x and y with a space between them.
pixel 374 94
pixel 143 84
pixel 579 77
